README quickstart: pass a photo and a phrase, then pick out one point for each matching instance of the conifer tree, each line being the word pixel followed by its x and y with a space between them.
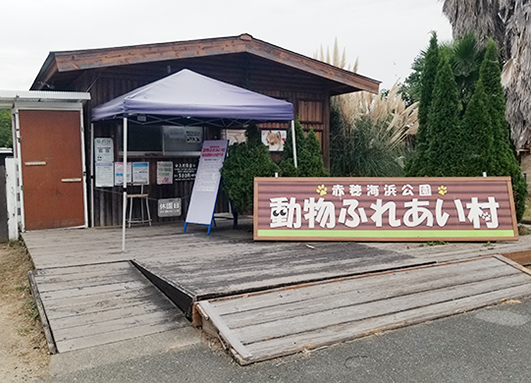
pixel 504 159
pixel 245 161
pixel 445 156
pixel 311 161
pixel 416 166
pixel 287 164
pixel 479 138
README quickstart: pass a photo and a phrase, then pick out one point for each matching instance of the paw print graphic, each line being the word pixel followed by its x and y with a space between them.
pixel 442 190
pixel 321 190
pixel 486 216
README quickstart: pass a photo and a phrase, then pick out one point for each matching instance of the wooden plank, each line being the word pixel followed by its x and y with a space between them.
pixel 435 274
pixel 285 346
pixel 125 273
pixel 108 268
pixel 112 325
pixel 42 314
pixel 94 280
pixel 321 319
pixel 360 294
pixel 119 335
pixel 94 290
pixel 111 314
pixel 99 305
pixel 513 264
pixel 224 332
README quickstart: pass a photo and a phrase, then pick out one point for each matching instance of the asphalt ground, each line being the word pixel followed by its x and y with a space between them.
pixel 487 345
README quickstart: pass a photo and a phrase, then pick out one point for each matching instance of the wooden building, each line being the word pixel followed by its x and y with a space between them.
pixel 239 60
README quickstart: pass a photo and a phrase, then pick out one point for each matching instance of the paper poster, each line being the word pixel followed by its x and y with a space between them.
pixel 104 174
pixel 208 174
pixel 164 172
pixel 103 151
pixel 119 173
pixel 141 173
pixel 274 139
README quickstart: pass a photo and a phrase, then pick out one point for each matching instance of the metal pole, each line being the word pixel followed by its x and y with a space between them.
pixel 293 142
pixel 92 159
pixel 124 203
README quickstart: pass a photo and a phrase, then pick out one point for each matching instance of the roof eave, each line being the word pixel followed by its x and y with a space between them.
pixel 60 62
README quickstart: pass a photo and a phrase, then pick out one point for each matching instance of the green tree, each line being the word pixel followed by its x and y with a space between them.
pixel 287 163
pixel 311 160
pixel 504 162
pixel 480 138
pixel 416 166
pixel 466 56
pixel 244 162
pixel 410 89
pixel 6 135
pixel 446 144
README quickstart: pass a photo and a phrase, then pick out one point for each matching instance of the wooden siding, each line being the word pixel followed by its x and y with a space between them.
pixel 307 93
pixel 311 106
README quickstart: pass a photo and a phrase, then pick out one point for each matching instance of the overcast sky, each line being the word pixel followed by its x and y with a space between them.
pixel 385 35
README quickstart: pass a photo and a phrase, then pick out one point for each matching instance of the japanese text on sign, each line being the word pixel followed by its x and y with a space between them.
pixel 378 208
pixel 288 212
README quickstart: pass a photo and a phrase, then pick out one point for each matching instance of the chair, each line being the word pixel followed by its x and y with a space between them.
pixel 130 201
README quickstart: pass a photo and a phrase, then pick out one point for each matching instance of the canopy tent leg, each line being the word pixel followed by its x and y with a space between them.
pixel 92 188
pixel 293 139
pixel 124 202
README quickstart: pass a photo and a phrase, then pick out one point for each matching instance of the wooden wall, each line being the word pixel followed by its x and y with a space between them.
pixel 310 99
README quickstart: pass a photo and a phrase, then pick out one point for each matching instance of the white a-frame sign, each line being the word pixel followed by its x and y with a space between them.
pixel 206 185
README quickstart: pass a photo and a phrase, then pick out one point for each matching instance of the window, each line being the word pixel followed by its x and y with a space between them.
pixel 166 140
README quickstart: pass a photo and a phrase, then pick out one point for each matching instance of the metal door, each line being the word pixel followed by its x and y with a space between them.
pixel 52 171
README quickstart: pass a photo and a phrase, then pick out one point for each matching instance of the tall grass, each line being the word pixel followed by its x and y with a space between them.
pixel 369 133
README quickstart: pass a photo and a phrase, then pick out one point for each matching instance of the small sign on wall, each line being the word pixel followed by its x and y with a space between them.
pixel 274 139
pixel 164 173
pixel 170 207
pixel 184 171
pixel 104 159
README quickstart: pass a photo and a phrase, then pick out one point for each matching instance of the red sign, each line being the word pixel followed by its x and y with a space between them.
pixel 384 209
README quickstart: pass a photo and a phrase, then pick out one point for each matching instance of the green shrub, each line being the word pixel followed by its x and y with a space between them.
pixel 244 162
pixel 309 159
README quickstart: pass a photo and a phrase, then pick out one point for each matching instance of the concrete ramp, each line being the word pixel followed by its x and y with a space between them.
pixel 269 324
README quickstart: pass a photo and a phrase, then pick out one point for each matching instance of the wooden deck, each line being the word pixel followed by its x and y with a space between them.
pixel 91 293
pixel 276 323
pixel 98 304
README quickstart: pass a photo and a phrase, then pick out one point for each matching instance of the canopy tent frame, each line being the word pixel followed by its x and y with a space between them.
pixel 144 101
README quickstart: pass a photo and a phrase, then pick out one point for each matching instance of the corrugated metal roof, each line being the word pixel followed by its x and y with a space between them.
pixel 41 96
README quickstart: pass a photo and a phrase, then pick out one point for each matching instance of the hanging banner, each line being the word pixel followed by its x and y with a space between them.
pixel 206 185
pixel 384 209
